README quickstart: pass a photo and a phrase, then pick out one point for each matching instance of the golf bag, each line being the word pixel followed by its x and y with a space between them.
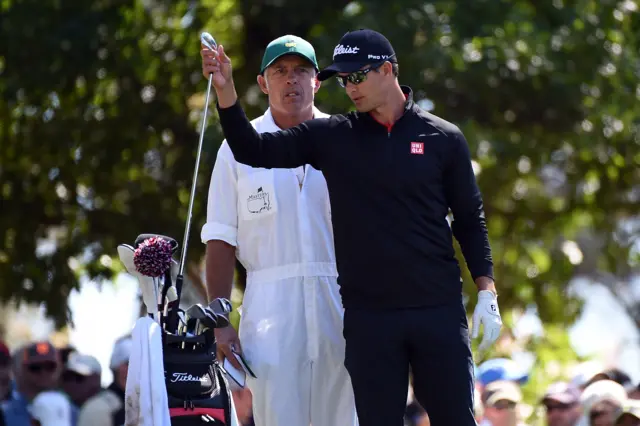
pixel 197 390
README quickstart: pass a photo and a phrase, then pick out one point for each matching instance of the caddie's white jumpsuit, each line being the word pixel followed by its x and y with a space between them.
pixel 279 220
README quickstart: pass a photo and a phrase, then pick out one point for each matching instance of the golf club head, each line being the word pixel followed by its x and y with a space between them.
pixel 196 311
pixel 207 40
pixel 210 320
pixel 217 320
pixel 221 306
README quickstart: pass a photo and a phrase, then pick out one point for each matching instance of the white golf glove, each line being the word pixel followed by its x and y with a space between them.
pixel 486 313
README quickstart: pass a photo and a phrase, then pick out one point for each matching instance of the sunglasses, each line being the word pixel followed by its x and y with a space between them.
pixel 598 413
pixel 359 76
pixel 559 407
pixel 504 405
pixel 71 376
pixel 48 367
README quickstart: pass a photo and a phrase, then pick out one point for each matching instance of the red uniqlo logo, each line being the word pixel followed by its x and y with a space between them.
pixel 417 147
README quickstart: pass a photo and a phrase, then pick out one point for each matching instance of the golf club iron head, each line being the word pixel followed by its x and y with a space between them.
pixel 221 306
pixel 207 40
pixel 219 320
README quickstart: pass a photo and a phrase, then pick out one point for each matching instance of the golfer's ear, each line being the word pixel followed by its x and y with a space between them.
pixel 388 68
pixel 262 82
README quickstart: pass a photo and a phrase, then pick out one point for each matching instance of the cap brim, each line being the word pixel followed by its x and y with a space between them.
pixel 40 360
pixel 81 370
pixel 561 398
pixel 284 54
pixel 500 396
pixel 335 68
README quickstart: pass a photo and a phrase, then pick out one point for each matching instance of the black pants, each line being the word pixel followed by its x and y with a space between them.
pixel 383 346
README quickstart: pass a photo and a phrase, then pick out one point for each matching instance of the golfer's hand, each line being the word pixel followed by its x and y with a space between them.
pixel 486 313
pixel 227 340
pixel 216 62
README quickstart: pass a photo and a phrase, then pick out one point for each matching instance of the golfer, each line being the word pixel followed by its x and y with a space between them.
pixel 278 224
pixel 393 172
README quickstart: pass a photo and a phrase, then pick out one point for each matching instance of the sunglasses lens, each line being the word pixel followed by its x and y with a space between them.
pixel 504 405
pixel 70 376
pixel 47 367
pixel 357 77
pixel 557 407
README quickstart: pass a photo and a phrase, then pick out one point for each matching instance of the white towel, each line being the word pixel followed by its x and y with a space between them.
pixel 146 402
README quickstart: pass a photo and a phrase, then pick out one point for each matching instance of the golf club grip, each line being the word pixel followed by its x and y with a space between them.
pixel 179 280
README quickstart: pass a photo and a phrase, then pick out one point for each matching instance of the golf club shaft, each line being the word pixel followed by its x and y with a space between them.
pixel 193 186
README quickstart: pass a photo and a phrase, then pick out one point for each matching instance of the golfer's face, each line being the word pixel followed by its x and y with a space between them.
pixel 291 83
pixel 366 95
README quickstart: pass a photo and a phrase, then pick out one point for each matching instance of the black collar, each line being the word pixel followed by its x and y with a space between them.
pixel 408 93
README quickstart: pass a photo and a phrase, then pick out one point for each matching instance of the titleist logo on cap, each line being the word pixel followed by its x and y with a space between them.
pixel 342 50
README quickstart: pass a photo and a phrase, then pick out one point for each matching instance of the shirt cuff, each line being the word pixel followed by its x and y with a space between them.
pixel 483 271
pixel 218 231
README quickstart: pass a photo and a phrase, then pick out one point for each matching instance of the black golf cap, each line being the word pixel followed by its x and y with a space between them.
pixel 357 49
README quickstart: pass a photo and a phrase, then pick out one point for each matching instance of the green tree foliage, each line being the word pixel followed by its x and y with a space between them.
pixel 98 125
pixel 101 105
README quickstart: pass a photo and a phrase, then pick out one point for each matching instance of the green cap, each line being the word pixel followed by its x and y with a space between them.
pixel 288 45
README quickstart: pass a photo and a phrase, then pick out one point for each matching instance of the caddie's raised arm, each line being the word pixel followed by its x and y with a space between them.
pixel 290 148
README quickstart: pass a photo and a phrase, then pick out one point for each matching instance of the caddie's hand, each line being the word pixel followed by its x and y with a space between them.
pixel 217 64
pixel 227 341
pixel 486 313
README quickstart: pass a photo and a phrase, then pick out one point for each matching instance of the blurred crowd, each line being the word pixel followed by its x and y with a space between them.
pixel 591 398
pixel 41 385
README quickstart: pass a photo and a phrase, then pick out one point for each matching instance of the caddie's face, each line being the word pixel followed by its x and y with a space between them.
pixel 291 84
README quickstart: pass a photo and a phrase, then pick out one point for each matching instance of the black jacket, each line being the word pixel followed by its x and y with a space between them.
pixel 390 190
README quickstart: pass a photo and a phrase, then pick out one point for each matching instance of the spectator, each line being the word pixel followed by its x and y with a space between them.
pixel 496 369
pixel 629 415
pixel 6 382
pixel 65 352
pixel 51 408
pixel 107 407
pixel 562 404
pixel 601 401
pixel 242 401
pixel 615 375
pixel 81 378
pixel 478 408
pixel 500 400
pixel 584 372
pixel 415 415
pixel 37 369
pixel 635 393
